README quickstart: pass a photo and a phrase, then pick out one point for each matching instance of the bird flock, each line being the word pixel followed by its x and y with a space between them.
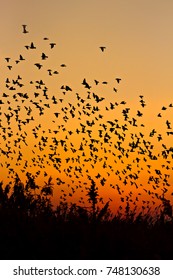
pixel 81 136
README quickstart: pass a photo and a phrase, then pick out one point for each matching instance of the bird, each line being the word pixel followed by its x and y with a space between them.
pixel 50 72
pixel 44 56
pixel 102 49
pixel 86 84
pixel 38 65
pixel 32 46
pixel 24 29
pixel 118 80
pixel 21 57
pixel 52 45
pixel 168 124
pixel 7 59
pixel 56 114
pixel 139 114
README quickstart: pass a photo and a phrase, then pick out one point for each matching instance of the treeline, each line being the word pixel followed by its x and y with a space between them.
pixel 30 227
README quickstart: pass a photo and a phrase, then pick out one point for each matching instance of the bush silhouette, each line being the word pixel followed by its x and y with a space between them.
pixel 32 229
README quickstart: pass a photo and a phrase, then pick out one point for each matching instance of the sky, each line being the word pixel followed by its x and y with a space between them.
pixel 138 40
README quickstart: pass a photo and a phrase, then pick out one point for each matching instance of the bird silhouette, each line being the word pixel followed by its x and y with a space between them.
pixel 7 59
pixel 38 65
pixel 24 29
pixel 43 56
pixel 52 45
pixel 102 49
pixel 32 46
pixel 118 80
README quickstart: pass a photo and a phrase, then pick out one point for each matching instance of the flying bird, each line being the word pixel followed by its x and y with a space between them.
pixel 21 57
pixel 52 45
pixel 7 59
pixel 38 65
pixel 24 29
pixel 102 49
pixel 9 67
pixel 118 80
pixel 43 56
pixel 32 46
pixel 56 114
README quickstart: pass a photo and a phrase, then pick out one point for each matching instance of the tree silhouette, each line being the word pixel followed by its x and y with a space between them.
pixel 93 198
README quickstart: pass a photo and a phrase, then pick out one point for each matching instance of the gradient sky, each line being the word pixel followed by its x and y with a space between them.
pixel 138 39
pixel 137 34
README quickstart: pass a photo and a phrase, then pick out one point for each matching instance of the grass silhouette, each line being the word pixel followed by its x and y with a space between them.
pixel 32 229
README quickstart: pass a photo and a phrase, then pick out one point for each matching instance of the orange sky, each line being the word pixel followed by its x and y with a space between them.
pixel 138 40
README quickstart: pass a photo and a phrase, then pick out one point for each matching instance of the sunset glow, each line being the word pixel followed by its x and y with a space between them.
pixel 86 93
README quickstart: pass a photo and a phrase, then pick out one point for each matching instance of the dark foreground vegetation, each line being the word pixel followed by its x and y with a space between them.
pixel 31 229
